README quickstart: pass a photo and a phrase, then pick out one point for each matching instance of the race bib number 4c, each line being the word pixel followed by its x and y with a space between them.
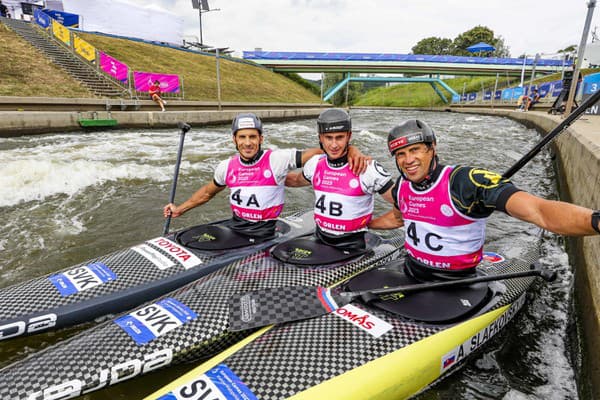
pixel 154 320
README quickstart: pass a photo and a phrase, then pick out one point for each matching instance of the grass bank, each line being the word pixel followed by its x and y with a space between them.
pixel 24 72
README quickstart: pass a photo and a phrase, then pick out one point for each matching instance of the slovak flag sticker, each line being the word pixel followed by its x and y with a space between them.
pixel 448 360
pixel 492 257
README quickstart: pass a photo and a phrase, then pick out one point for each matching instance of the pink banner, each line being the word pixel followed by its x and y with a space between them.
pixel 143 81
pixel 113 67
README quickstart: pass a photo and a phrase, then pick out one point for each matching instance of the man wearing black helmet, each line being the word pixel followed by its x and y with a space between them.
pixel 255 177
pixel 444 208
pixel 343 199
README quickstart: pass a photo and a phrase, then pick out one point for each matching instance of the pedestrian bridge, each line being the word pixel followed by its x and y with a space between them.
pixel 401 63
pixel 413 64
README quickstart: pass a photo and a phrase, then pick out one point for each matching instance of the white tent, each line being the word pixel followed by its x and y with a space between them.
pixel 120 17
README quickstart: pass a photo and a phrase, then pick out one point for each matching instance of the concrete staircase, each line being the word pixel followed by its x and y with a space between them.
pixel 88 75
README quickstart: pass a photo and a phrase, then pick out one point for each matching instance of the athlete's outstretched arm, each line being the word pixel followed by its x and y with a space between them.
pixel 202 195
pixel 296 179
pixel 310 153
pixel 390 220
pixel 556 216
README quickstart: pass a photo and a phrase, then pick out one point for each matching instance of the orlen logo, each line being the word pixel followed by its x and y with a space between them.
pixel 109 376
pixel 363 320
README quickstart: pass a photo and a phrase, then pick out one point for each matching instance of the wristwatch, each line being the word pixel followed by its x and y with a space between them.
pixel 596 220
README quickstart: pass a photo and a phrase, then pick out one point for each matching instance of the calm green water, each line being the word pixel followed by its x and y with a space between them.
pixel 66 198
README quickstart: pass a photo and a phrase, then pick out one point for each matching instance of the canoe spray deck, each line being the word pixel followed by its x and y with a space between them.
pixel 190 323
pixel 125 279
pixel 358 351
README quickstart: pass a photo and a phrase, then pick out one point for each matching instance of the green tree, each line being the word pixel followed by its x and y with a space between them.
pixel 339 98
pixel 433 45
pixel 476 35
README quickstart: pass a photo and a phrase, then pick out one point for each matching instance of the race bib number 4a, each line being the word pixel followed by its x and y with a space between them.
pixel 154 320
pixel 220 383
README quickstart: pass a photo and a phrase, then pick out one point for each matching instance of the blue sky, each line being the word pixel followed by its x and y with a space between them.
pixel 392 26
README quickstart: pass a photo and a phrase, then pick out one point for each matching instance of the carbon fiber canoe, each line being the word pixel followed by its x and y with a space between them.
pixel 190 323
pixel 121 280
pixel 360 351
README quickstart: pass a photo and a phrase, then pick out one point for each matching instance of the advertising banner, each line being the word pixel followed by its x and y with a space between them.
pixel 507 94
pixel 66 19
pixel 143 80
pixel 591 83
pixel 62 33
pixel 556 88
pixel 84 49
pixel 41 18
pixel 113 67
pixel 517 92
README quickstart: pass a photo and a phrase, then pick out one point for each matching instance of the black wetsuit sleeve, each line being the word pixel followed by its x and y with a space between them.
pixel 477 192
pixel 386 187
pixel 298 159
pixel 395 192
pixel 216 184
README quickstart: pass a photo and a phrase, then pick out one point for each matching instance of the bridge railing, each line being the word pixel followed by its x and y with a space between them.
pixel 513 96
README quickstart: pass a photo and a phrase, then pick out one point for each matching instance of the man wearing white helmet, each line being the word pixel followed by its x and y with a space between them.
pixel 444 208
pixel 255 177
pixel 343 198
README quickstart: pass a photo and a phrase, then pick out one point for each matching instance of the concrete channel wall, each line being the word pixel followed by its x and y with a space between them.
pixel 578 168
pixel 17 123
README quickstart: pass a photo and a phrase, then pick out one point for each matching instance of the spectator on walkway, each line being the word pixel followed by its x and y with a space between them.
pixel 3 10
pixel 155 93
pixel 532 99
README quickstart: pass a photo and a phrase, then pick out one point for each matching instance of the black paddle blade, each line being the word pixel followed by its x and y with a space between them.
pixel 258 308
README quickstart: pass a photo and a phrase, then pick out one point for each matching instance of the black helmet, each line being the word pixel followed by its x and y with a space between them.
pixel 246 121
pixel 410 132
pixel 334 120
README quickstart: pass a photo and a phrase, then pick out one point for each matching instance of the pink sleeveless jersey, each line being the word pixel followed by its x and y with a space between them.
pixel 341 205
pixel 255 194
pixel 437 234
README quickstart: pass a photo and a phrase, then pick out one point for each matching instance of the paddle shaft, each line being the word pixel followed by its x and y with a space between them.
pixel 552 134
pixel 184 129
pixel 349 296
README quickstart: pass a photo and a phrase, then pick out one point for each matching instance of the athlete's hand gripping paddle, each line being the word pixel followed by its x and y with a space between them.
pixel 293 303
pixel 184 129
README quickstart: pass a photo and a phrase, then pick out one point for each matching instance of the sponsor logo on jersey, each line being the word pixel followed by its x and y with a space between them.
pixel 476 341
pixel 363 320
pixel 220 383
pixel 154 320
pixel 82 278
